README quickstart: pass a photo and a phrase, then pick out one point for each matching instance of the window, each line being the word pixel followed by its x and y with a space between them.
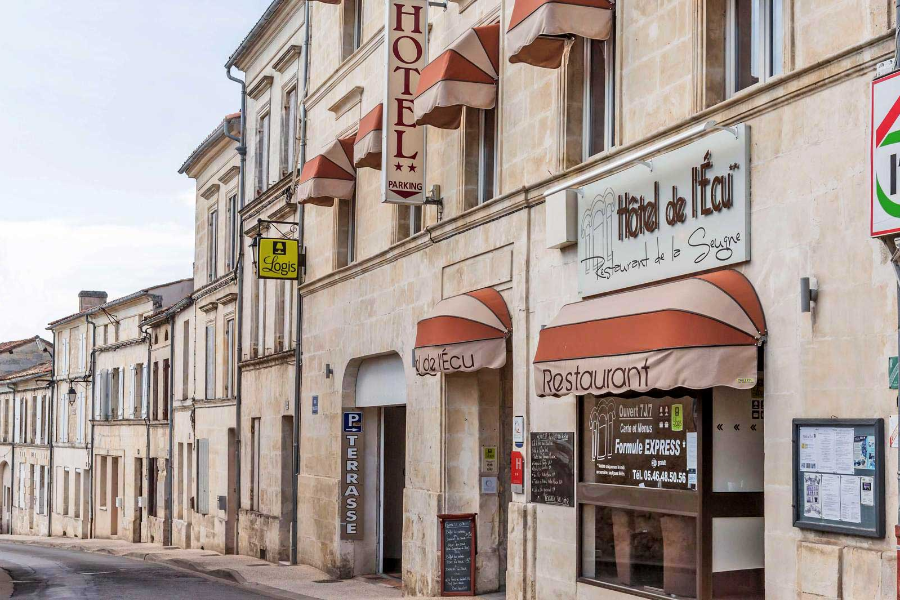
pixel 101 482
pixel 210 361
pixel 231 253
pixel 345 232
pixel 203 476
pixel 65 489
pixel 155 405
pixel 652 522
pixel 212 245
pixel 288 131
pixel 409 221
pixel 480 156
pixel 165 398
pixel 32 423
pixel 261 317
pixel 254 317
pixel 754 41
pixel 152 480
pixel 73 347
pixel 262 153
pixel 599 94
pixel 287 312
pixel 116 332
pixel 79 415
pixel 352 26
pixel 77 502
pixel 279 315
pixel 229 353
pixel 185 358
pixel 255 434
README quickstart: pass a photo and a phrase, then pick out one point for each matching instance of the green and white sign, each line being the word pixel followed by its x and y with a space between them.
pixel 893 372
pixel 885 184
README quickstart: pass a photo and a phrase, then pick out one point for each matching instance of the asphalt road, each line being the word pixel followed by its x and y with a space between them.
pixel 40 572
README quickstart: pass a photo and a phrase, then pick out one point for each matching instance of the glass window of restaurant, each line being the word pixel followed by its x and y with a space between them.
pixel 670 493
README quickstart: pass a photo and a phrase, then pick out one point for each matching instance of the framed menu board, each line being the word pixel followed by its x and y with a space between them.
pixel 839 475
pixel 553 467
pixel 459 538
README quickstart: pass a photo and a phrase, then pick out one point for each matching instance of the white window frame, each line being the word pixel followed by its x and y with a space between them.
pixel 483 152
pixel 609 92
pixel 212 244
pixel 263 127
pixel 769 51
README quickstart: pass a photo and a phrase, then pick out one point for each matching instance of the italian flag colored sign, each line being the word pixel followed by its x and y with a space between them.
pixel 885 165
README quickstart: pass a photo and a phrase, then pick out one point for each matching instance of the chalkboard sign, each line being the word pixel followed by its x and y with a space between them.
pixel 458 542
pixel 839 475
pixel 553 468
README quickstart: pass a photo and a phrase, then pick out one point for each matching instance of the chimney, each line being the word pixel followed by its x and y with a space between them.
pixel 89 299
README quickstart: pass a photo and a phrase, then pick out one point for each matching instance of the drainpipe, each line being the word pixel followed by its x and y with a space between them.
pixel 145 381
pixel 93 409
pixel 50 438
pixel 167 538
pixel 300 158
pixel 242 152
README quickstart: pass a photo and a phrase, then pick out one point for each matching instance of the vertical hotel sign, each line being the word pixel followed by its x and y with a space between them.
pixel 352 476
pixel 885 199
pixel 403 171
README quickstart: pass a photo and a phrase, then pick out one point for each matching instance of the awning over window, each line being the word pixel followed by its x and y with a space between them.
pixel 538 28
pixel 465 74
pixel 367 147
pixel 463 333
pixel 329 175
pixel 699 332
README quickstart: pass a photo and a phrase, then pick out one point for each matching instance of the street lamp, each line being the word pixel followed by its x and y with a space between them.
pixel 71 394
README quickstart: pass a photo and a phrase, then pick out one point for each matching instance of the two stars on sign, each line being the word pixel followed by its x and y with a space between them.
pixel 399 167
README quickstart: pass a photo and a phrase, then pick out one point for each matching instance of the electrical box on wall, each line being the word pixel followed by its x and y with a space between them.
pixel 562 218
pixel 223 503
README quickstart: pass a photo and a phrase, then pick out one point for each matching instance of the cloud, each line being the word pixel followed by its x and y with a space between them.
pixel 44 264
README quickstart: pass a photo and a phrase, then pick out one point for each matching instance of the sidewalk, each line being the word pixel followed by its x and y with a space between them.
pixel 297 582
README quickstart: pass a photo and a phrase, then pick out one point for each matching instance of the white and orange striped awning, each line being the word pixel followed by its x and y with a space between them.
pixel 463 333
pixel 465 74
pixel 540 29
pixel 329 175
pixel 699 332
pixel 367 146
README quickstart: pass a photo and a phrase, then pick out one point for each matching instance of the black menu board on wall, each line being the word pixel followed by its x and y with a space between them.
pixel 553 467
pixel 458 543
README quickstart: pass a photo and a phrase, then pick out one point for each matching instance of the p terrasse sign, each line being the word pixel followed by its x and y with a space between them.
pixel 684 212
pixel 403 168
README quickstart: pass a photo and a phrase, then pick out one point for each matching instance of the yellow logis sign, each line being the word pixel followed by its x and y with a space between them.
pixel 278 259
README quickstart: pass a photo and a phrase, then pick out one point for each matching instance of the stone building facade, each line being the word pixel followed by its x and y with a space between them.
pixel 24 451
pixel 793 79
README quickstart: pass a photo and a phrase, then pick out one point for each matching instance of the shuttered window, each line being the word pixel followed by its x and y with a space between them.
pixel 39 425
pixel 83 353
pixel 262 154
pixel 79 416
pixel 203 476
pixel 211 361
pixel 145 392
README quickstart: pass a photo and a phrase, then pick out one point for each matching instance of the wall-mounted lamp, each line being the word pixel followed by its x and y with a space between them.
pixel 809 293
pixel 328 371
pixel 71 394
pixel 254 247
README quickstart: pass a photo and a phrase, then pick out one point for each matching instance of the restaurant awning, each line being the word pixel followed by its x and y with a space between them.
pixel 329 175
pixel 465 74
pixel 540 29
pixel 463 333
pixel 699 332
pixel 367 145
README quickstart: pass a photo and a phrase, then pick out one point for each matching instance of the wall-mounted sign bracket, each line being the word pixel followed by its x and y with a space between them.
pixel 434 198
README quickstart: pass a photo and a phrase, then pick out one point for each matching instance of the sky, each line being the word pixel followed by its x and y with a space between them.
pixel 101 102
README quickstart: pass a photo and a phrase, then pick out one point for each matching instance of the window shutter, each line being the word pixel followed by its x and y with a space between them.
pixel 36 491
pixel 107 393
pixel 79 415
pixel 39 421
pixel 210 361
pixel 120 397
pixel 130 409
pixel 65 420
pixel 81 363
pixel 145 392
pixel 203 476
pixel 259 157
pixel 18 416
